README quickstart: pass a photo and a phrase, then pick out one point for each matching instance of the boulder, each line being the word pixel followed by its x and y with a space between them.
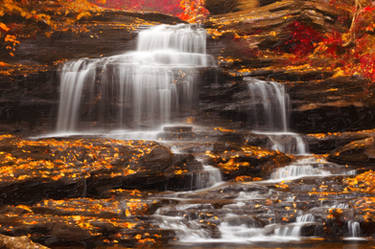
pixel 322 143
pixel 357 153
pixel 246 161
pixel 86 222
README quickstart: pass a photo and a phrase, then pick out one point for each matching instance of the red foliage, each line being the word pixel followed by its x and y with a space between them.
pixel 303 39
pixel 333 42
pixel 367 63
pixel 368 9
pixel 365 55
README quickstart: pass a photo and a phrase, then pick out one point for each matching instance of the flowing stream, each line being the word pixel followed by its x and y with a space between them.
pixel 157 83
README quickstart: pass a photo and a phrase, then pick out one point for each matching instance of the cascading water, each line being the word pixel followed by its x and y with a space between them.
pixel 354 229
pixel 272 114
pixel 144 88
pixel 270 105
pixel 156 84
pixel 301 168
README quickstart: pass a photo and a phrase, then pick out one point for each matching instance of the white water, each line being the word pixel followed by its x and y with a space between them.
pixel 190 232
pixel 354 229
pixel 176 37
pixel 271 116
pixel 274 103
pixel 151 86
pixel 293 172
pixel 143 88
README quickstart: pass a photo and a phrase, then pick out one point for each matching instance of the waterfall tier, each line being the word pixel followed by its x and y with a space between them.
pixel 270 114
pixel 271 105
pixel 143 88
pixel 184 38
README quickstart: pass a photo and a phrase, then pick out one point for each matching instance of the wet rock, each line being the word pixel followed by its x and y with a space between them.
pixel 247 161
pixel 358 153
pixel 85 222
pixel 322 143
pixel 312 229
pixel 243 220
pixel 188 174
pixel 320 102
pixel 102 32
pixel 22 242
pixel 28 101
pixel 332 105
pixel 177 133
pixel 59 168
pixel 30 86
pixel 253 26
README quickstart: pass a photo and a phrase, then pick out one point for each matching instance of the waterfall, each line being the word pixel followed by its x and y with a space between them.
pixel 297 171
pixel 354 229
pixel 143 88
pixel 305 167
pixel 270 115
pixel 274 103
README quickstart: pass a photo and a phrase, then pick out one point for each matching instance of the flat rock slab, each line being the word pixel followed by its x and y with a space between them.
pixel 119 220
pixel 32 170
pixel 321 143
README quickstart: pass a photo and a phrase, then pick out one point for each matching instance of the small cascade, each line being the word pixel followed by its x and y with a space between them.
pixel 354 229
pixel 144 88
pixel 305 167
pixel 293 230
pixel 306 218
pixel 292 172
pixel 291 143
pixel 190 39
pixel 212 176
pixel 270 115
pixel 185 229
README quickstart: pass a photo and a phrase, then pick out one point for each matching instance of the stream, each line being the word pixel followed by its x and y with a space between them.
pixel 151 94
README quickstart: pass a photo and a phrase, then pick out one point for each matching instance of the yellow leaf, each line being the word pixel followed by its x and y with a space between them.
pixel 4 27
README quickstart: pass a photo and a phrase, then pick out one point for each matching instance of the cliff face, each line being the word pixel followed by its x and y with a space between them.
pixel 29 85
pixel 254 41
pixel 275 40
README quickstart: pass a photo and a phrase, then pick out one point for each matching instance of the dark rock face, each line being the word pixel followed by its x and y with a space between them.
pixel 30 94
pixel 111 32
pixel 28 103
pixel 322 143
pixel 324 105
pixel 333 104
pixel 221 6
pixel 320 102
pixel 360 153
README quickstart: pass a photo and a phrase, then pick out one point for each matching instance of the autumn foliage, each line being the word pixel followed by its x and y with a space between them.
pixel 188 10
pixel 346 53
pixel 26 18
